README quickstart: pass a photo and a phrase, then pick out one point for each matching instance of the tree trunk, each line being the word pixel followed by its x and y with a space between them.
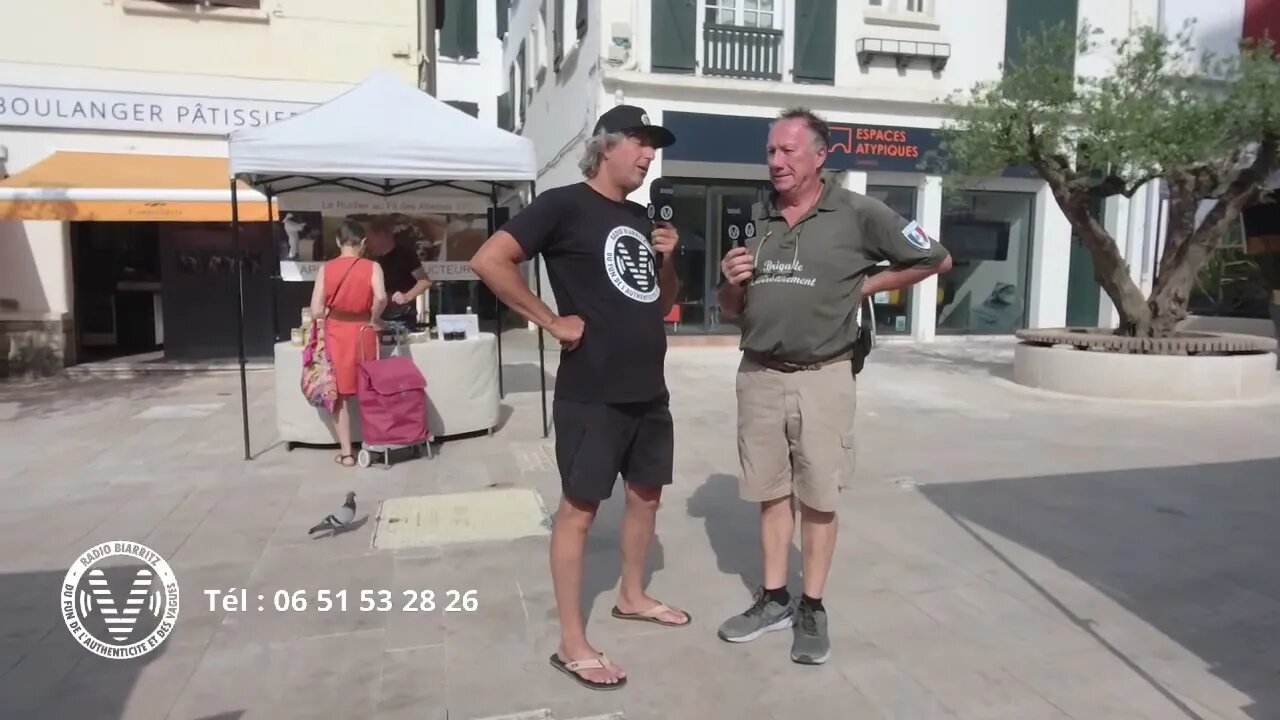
pixel 1109 267
pixel 1189 247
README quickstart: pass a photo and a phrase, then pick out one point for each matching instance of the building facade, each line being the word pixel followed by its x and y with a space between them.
pixel 143 94
pixel 717 71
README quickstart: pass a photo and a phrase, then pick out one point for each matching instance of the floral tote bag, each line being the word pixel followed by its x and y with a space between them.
pixel 319 385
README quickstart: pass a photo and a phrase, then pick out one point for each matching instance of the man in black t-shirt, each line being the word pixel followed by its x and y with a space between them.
pixel 613 274
pixel 406 279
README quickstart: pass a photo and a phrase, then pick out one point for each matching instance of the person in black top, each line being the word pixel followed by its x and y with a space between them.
pixel 613 274
pixel 406 279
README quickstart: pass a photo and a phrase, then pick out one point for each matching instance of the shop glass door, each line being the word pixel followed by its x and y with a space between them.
pixel 893 308
pixel 989 237
pixel 690 214
pixel 717 197
pixel 1084 294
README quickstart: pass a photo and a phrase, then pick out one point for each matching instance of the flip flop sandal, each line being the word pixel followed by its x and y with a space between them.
pixel 341 460
pixel 571 669
pixel 651 615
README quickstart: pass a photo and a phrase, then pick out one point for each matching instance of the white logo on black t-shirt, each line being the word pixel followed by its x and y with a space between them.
pixel 629 261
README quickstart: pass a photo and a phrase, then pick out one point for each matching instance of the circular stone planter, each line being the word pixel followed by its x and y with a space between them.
pixel 1093 362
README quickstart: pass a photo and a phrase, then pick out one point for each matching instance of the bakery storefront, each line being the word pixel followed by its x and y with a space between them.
pixel 993 232
pixel 115 234
pixel 115 220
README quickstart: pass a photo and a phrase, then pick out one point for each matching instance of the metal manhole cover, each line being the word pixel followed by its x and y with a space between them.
pixel 486 515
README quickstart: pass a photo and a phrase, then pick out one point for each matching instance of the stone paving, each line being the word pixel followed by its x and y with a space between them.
pixel 1003 554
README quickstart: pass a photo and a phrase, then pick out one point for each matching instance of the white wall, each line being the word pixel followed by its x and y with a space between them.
pixel 1116 20
pixel 566 103
pixel 333 40
pixel 562 106
pixel 1218 28
pixel 478 80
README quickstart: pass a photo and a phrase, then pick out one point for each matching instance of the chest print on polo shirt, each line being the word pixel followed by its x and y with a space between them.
pixel 781 271
pixel 629 261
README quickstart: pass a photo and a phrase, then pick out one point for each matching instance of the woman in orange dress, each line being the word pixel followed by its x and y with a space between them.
pixel 351 290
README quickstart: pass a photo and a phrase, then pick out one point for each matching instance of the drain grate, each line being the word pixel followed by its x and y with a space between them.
pixel 487 515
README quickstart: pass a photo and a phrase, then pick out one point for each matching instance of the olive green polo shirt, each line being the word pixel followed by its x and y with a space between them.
pixel 802 302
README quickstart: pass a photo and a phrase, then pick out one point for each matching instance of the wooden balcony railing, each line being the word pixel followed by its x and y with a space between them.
pixel 742 52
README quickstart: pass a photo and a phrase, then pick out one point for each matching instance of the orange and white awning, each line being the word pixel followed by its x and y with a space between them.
pixel 88 186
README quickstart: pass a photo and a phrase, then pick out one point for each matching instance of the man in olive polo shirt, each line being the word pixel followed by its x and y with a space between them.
pixel 796 289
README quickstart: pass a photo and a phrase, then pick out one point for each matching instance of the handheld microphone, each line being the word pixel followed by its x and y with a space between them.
pixel 662 195
pixel 735 221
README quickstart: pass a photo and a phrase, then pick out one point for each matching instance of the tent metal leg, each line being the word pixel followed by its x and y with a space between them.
pixel 235 243
pixel 502 393
pixel 275 269
pixel 493 227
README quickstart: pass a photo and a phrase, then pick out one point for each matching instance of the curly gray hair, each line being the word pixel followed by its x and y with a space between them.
pixel 593 154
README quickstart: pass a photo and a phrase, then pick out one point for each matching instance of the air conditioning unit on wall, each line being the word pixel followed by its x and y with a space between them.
pixel 620 48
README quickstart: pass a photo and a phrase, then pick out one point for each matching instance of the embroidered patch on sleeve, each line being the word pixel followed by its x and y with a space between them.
pixel 916 235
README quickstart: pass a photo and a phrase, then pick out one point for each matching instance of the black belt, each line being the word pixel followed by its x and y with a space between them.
pixel 773 363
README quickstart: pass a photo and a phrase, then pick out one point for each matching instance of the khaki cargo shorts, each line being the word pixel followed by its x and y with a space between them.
pixel 795 432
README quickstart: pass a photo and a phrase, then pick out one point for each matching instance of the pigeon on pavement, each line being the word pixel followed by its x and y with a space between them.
pixel 338 519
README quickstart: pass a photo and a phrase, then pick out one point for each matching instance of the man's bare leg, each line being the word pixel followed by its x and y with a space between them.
pixel 818 543
pixel 637 531
pixel 777 527
pixel 568 545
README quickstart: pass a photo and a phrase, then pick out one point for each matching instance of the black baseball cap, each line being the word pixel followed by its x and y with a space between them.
pixel 635 121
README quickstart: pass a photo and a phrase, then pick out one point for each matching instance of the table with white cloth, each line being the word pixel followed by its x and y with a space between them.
pixel 462 390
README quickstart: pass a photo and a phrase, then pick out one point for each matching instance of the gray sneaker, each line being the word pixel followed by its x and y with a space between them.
pixel 763 616
pixel 811 645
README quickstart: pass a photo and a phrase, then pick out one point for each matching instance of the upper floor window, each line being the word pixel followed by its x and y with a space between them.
pixel 908 13
pixel 912 7
pixel 458 36
pixel 742 13
pixel 250 4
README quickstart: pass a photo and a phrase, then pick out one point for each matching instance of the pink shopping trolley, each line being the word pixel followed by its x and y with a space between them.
pixel 392 393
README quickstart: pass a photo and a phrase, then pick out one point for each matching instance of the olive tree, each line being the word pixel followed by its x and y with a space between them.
pixel 1208 128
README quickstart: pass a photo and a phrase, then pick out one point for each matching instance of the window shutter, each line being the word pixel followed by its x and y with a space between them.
pixel 582 19
pixel 815 42
pixel 1033 18
pixel 458 36
pixel 557 31
pixel 504 7
pixel 505 119
pixel 672 35
pixel 470 108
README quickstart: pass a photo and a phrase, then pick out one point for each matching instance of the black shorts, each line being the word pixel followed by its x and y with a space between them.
pixel 596 442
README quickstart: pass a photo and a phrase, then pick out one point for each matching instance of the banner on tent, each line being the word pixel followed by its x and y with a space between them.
pixel 344 204
pixel 443 243
pixel 294 271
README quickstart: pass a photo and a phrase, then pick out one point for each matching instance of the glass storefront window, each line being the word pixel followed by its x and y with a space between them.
pixel 893 309
pixel 692 258
pixel 989 236
pixel 699 208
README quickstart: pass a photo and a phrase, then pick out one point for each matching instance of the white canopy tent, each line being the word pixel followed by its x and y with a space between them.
pixel 387 139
